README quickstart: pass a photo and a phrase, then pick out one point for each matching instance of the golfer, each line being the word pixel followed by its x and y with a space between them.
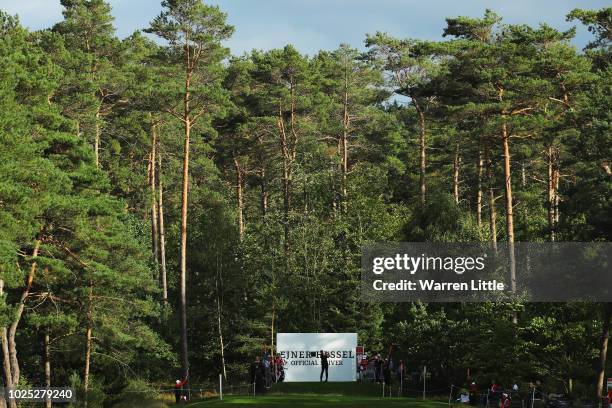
pixel 324 365
pixel 179 392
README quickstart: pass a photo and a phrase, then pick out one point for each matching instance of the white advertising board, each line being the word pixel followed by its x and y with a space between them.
pixel 301 352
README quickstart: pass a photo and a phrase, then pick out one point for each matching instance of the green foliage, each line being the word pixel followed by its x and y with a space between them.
pixel 297 162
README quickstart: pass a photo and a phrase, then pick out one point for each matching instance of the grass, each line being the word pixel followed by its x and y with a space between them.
pixel 315 395
pixel 314 401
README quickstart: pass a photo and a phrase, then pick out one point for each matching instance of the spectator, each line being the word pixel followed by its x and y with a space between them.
pixel 464 397
pixel 377 368
pixel 492 393
pixel 401 372
pixel 273 368
pixel 267 368
pixel 280 364
pixel 387 372
pixel 505 401
pixel 494 387
pixel 258 374
pixel 473 393
pixel 363 366
pixel 278 367
pixel 515 391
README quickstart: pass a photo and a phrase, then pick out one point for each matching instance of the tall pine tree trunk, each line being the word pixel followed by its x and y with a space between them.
pixel 524 187
pixel 88 339
pixel 97 138
pixel 346 121
pixel 184 201
pixel 422 149
pixel 492 209
pixel 509 207
pixel 286 151
pixel 508 182
pixel 286 204
pixel 552 193
pixel 47 356
pixel 6 363
pixel 479 187
pixel 334 190
pixel 239 198
pixel 263 198
pixel 456 169
pixel 162 231
pixel 603 350
pixel 153 196
pixel 264 191
pixel 272 328
pixel 219 325
pixel 18 314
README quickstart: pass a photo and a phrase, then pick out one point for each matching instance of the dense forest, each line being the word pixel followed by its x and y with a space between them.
pixel 166 205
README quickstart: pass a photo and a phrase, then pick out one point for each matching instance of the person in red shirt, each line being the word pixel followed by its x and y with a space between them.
pixel 493 393
pixel 505 401
pixel 278 366
pixel 363 366
pixel 610 398
pixel 494 386
pixel 178 389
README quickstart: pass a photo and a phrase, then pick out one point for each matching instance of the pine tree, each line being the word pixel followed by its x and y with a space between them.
pixel 194 33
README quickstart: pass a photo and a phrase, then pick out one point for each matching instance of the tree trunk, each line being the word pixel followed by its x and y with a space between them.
pixel 305 195
pixel 239 198
pixel 603 350
pixel 263 180
pixel 97 138
pixel 272 329
pixel 509 208
pixel 557 198
pixel 47 354
pixel 479 186
pixel 153 198
pixel 219 326
pixel 17 317
pixel 422 149
pixel 146 212
pixel 162 231
pixel 88 341
pixel 552 185
pixel 456 168
pixel 184 200
pixel 264 192
pixel 508 182
pixel 346 121
pixel 8 381
pixel 334 190
pixel 286 205
pixel 524 186
pixel 287 161
pixel 492 209
pixel 6 366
